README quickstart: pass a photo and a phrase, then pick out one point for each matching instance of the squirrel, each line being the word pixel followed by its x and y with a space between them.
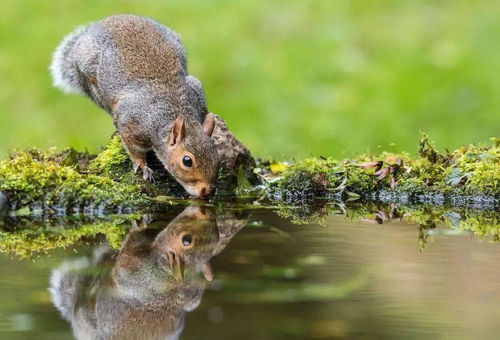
pixel 143 290
pixel 135 69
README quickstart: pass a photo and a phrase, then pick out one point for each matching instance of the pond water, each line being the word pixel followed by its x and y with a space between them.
pixel 236 272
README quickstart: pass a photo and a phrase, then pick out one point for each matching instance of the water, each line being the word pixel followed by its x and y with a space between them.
pixel 349 278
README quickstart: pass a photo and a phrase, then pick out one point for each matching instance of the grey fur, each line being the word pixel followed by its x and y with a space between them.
pixel 132 293
pixel 64 75
pixel 135 69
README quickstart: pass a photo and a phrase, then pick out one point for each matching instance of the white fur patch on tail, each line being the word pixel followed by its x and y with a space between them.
pixel 64 286
pixel 59 66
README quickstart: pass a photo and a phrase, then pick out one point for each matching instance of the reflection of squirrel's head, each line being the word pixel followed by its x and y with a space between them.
pixel 183 248
pixel 192 236
pixel 144 290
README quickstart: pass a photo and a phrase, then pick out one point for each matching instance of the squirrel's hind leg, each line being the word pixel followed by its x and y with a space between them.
pixel 136 143
pixel 138 156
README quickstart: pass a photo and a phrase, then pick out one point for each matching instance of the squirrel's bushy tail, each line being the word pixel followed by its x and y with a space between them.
pixel 66 285
pixel 63 66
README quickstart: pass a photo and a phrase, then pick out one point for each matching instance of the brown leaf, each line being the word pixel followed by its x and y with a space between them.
pixel 382 173
pixel 368 165
pixel 381 215
pixel 394 182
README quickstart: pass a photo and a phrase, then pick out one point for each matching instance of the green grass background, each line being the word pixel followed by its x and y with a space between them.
pixel 292 78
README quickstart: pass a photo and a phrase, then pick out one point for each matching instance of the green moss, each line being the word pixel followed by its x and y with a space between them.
pixel 483 223
pixel 40 180
pixel 315 177
pixel 316 213
pixel 471 170
pixel 113 161
pixel 76 182
pixel 480 168
pixel 37 240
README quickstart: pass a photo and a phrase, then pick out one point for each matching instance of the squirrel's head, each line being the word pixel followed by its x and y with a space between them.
pixel 192 157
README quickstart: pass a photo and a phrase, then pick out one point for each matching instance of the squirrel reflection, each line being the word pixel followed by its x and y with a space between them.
pixel 143 290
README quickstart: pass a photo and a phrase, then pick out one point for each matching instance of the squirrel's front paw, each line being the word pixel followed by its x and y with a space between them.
pixel 147 173
pixel 142 224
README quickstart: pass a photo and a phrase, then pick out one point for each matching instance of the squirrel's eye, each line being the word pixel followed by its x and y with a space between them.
pixel 187 161
pixel 187 239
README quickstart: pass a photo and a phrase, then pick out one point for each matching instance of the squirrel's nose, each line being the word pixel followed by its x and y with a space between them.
pixel 206 191
pixel 203 192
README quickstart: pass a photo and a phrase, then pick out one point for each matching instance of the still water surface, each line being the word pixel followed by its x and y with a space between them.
pixel 199 273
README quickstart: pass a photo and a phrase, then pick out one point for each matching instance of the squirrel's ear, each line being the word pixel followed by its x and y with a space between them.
pixel 209 124
pixel 207 271
pixel 178 131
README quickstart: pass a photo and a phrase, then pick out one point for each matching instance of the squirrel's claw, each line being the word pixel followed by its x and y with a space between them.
pixel 136 167
pixel 142 224
pixel 147 174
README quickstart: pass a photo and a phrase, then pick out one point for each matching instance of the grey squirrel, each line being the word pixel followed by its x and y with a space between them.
pixel 143 290
pixel 135 69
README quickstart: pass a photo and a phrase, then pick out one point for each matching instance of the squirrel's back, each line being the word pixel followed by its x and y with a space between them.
pixel 147 49
pixel 119 49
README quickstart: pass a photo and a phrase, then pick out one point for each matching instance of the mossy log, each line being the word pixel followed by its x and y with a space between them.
pixel 73 182
pixel 468 176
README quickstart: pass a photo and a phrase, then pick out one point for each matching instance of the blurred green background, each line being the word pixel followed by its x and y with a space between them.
pixel 292 78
